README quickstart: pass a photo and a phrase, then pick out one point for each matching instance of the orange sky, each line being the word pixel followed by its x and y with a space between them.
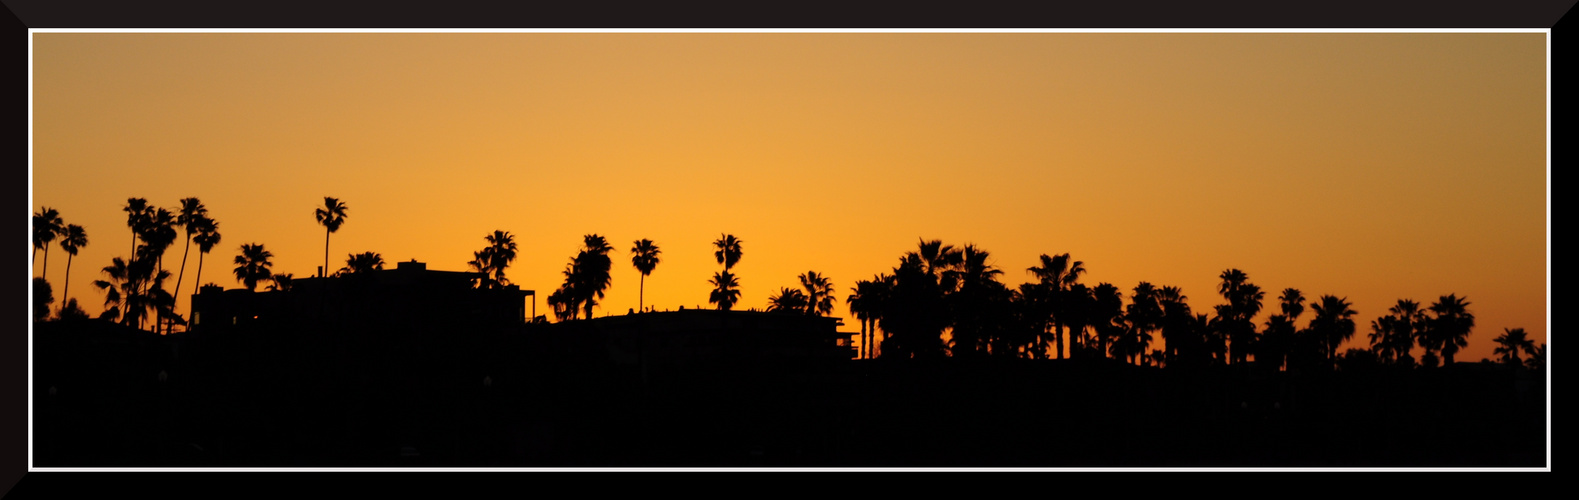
pixel 1371 166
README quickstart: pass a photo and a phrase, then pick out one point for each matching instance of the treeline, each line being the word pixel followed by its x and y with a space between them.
pixel 939 300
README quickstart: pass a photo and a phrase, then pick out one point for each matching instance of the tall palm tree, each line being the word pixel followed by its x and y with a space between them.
pixel 1511 342
pixel 47 226
pixel 726 290
pixel 819 293
pixel 1334 323
pixel 135 287
pixel 190 217
pixel 1451 327
pixel 331 215
pixel 1058 273
pixel 207 237
pixel 362 263
pixel 644 255
pixel 788 300
pixel 253 265
pixel 74 240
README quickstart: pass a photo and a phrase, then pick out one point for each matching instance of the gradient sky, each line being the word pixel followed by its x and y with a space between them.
pixel 1364 165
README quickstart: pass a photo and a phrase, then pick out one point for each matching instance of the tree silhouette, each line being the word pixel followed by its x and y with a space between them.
pixel 43 296
pixel 1511 342
pixel 207 236
pixel 158 233
pixel 1244 301
pixel 592 266
pixel 47 226
pixel 726 290
pixel 644 255
pixel 253 265
pixel 1333 324
pixel 1276 341
pixel 135 287
pixel 1058 273
pixel 191 216
pixel 1450 329
pixel 1107 317
pixel 729 250
pixel 1293 303
pixel 819 294
pixel 331 215
pixel 916 313
pixel 788 300
pixel 74 240
pixel 361 263
pixel 1393 336
pixel 493 259
pixel 867 302
pixel 1144 315
pixel 726 286
pixel 137 214
pixel 281 282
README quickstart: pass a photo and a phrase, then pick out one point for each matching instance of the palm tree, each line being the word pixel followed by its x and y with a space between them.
pixel 1144 315
pixel 1511 342
pixel 43 296
pixel 1293 303
pixel 729 250
pixel 819 294
pixel 135 287
pixel 1451 327
pixel 495 258
pixel 867 302
pixel 190 217
pixel 644 255
pixel 1058 273
pixel 362 263
pixel 591 271
pixel 252 265
pixel 726 290
pixel 1244 301
pixel 207 236
pixel 137 214
pixel 282 282
pixel 1393 336
pixel 788 300
pixel 1333 324
pixel 332 216
pixel 74 240
pixel 47 225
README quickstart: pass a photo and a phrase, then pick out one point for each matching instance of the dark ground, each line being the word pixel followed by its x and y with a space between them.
pixel 297 400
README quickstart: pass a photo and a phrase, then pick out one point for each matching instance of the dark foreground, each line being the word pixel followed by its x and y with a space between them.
pixel 521 400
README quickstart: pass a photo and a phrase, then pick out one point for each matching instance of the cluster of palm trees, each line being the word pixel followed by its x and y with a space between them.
pixel 943 300
pixel 135 287
pixel 587 278
pixel 815 296
pixel 47 228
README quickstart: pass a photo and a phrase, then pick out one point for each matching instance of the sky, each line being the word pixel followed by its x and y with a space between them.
pixel 1370 166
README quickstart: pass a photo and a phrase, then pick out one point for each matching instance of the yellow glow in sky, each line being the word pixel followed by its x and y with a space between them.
pixel 1370 166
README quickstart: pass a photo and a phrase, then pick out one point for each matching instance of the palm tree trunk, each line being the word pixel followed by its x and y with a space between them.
pixel 66 292
pixel 182 276
pixel 197 281
pixel 641 294
pixel 45 274
pixel 325 270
